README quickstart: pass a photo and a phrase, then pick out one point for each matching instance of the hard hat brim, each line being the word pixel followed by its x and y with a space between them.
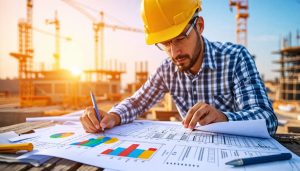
pixel 166 34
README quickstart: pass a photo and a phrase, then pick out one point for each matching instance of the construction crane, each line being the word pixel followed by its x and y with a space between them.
pixel 57 36
pixel 56 55
pixel 241 19
pixel 98 26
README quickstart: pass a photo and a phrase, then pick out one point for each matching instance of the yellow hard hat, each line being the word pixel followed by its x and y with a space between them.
pixel 166 19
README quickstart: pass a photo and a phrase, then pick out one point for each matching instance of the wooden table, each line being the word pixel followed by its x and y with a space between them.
pixel 290 141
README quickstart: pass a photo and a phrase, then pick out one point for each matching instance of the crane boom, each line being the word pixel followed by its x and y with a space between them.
pixel 117 27
pixel 66 38
pixel 79 8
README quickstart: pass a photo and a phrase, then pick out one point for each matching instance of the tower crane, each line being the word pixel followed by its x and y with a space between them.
pixel 241 19
pixel 56 55
pixel 98 26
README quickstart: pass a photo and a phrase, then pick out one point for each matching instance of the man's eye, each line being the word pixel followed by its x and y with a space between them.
pixel 165 43
pixel 180 38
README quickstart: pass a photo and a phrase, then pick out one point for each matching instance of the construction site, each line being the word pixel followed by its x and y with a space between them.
pixel 57 91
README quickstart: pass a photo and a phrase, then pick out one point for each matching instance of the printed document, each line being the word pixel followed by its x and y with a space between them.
pixel 148 145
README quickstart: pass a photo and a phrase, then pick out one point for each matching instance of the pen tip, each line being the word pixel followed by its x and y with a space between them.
pixel 234 162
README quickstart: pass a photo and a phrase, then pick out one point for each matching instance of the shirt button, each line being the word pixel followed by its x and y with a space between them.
pixel 195 92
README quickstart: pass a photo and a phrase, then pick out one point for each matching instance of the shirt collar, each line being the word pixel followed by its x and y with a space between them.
pixel 208 56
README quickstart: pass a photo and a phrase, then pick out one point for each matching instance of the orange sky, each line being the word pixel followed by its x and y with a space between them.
pixel 121 45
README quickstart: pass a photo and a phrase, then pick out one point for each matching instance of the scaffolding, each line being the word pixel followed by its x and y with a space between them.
pixel 109 87
pixel 289 61
pixel 141 76
pixel 24 56
pixel 241 20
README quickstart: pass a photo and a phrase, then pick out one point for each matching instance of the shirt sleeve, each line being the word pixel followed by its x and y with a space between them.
pixel 250 95
pixel 143 99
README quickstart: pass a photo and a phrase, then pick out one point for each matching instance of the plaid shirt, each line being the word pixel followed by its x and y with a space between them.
pixel 228 80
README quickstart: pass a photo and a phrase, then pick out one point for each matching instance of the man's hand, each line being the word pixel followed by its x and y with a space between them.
pixel 203 114
pixel 91 124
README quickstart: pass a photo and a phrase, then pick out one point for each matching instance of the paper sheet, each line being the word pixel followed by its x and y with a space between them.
pixel 251 128
pixel 53 118
pixel 4 137
pixel 23 137
pixel 76 113
pixel 158 146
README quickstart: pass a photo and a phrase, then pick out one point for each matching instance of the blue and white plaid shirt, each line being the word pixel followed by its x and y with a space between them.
pixel 228 80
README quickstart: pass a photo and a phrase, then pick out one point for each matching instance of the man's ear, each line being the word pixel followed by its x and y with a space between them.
pixel 200 24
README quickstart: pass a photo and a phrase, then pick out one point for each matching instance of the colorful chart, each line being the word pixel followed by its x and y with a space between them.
pixel 93 142
pixel 131 151
pixel 62 135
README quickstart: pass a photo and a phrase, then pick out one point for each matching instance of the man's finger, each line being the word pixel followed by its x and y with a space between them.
pixel 92 116
pixel 88 124
pixel 102 113
pixel 83 123
pixel 107 121
pixel 86 129
pixel 207 119
pixel 190 114
pixel 200 113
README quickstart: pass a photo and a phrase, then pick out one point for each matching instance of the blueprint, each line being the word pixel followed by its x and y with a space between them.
pixel 146 145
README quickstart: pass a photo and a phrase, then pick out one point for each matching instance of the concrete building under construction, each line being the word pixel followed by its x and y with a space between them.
pixel 289 82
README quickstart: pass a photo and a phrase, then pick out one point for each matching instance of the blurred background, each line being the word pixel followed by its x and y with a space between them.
pixel 53 52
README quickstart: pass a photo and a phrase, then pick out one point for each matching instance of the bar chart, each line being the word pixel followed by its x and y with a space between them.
pixel 138 150
pixel 93 142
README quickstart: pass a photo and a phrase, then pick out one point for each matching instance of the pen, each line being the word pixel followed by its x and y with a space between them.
pixel 260 159
pixel 95 107
pixel 14 148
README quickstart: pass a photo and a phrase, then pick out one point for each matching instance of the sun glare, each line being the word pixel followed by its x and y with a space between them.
pixel 76 71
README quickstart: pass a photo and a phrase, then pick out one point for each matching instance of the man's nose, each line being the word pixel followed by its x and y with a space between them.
pixel 175 50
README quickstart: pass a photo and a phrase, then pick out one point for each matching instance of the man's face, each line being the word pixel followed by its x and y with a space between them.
pixel 183 49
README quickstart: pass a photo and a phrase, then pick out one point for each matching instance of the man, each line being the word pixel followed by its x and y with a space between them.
pixel 209 81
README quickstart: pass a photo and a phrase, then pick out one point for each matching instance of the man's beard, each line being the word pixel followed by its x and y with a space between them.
pixel 181 66
pixel 192 59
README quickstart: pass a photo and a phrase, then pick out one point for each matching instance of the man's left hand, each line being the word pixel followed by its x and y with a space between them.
pixel 203 114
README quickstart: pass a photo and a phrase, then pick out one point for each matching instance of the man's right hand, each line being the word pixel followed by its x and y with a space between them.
pixel 91 124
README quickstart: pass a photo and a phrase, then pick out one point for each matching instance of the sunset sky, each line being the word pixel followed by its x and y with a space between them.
pixel 269 20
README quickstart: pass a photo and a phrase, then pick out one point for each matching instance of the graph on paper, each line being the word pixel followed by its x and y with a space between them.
pixel 62 135
pixel 137 150
pixel 93 142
